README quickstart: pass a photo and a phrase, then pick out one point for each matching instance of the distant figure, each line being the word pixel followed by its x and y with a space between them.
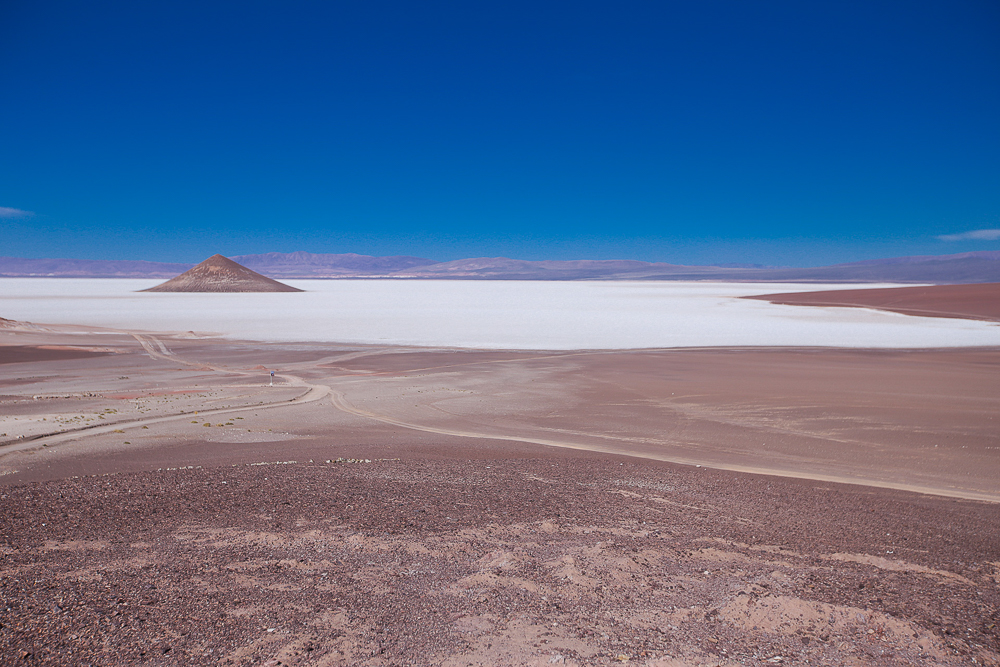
pixel 272 379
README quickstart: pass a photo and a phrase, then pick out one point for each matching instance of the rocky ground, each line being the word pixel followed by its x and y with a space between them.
pixel 561 559
pixel 162 504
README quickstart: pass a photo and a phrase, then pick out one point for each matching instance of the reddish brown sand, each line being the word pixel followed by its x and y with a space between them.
pixel 19 354
pixel 163 505
pixel 974 302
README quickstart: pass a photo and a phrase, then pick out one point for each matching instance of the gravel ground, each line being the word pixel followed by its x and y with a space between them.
pixel 575 560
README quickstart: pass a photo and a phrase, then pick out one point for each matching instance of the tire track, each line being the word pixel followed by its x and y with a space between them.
pixel 339 401
pixel 156 349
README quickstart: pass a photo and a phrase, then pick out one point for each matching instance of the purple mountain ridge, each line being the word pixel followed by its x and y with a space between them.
pixel 309 265
pixel 11 267
pixel 968 267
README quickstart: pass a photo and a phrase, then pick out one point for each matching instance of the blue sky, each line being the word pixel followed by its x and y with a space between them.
pixel 792 133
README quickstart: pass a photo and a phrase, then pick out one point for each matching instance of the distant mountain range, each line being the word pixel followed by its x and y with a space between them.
pixel 970 267
pixel 308 265
pixel 16 267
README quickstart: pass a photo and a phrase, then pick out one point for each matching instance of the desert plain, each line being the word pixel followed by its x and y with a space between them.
pixel 165 502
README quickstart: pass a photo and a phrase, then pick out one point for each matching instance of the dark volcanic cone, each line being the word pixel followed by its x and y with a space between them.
pixel 221 274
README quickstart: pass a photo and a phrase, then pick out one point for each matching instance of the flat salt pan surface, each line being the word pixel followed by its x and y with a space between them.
pixel 490 314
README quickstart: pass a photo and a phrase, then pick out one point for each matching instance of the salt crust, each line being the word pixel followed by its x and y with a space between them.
pixel 490 314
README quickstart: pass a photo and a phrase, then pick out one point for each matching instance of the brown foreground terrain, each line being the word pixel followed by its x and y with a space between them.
pixel 973 302
pixel 161 504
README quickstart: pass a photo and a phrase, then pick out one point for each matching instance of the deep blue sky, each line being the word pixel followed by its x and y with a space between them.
pixel 690 132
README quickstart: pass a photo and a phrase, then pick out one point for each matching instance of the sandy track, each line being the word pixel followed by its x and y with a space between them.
pixel 619 403
pixel 340 402
pixel 156 349
pixel 838 416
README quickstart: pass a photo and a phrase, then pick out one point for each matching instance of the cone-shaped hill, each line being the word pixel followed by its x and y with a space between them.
pixel 221 274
